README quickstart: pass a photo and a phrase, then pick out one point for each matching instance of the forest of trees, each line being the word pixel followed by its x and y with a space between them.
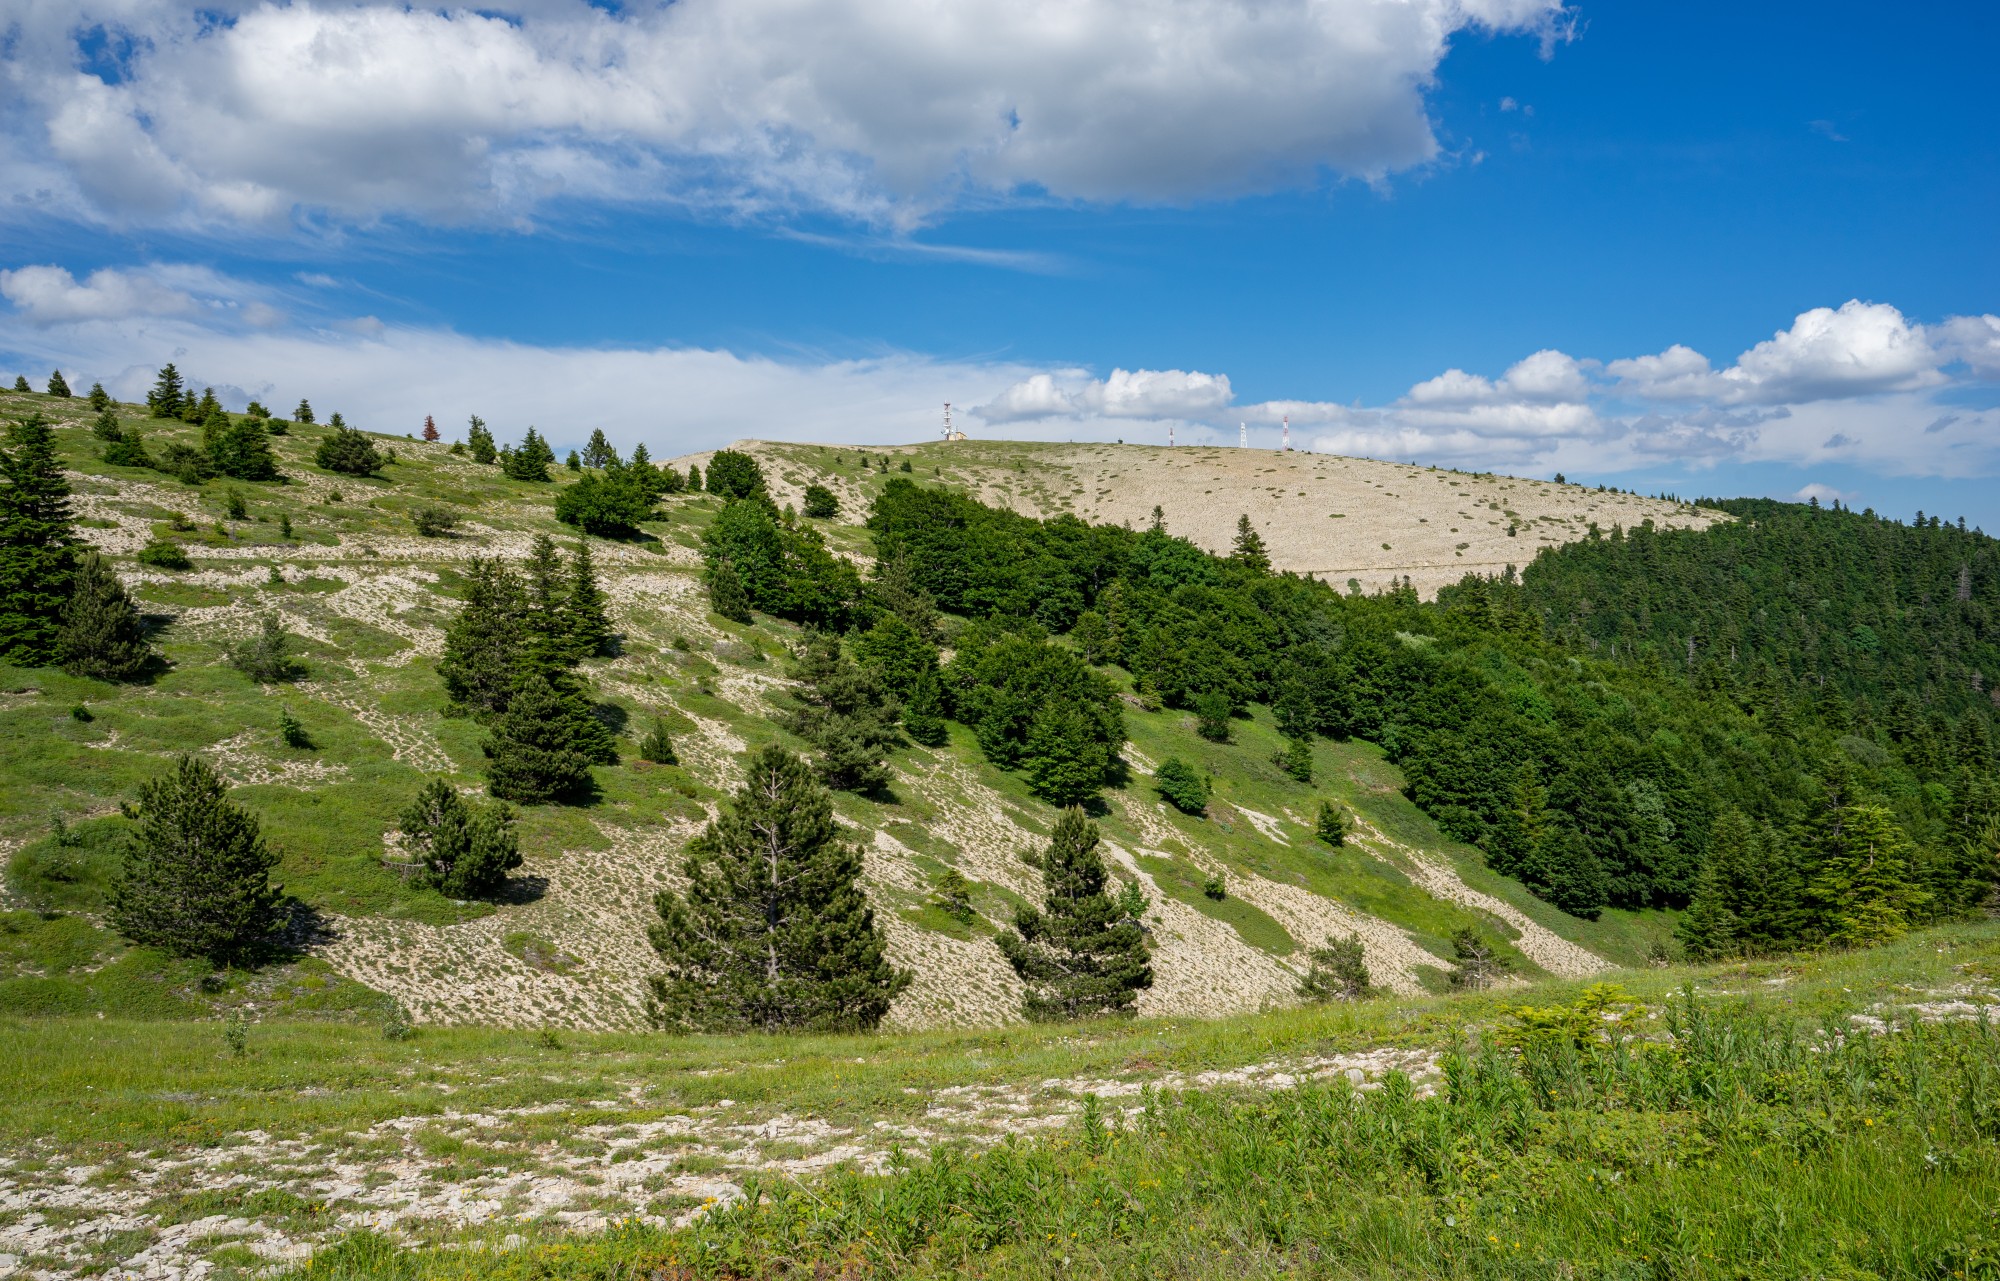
pixel 1552 719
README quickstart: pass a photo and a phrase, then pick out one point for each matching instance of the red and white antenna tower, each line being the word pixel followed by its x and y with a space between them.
pixel 1288 433
pixel 1170 435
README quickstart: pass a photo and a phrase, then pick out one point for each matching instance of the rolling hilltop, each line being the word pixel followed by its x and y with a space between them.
pixel 1375 523
pixel 367 600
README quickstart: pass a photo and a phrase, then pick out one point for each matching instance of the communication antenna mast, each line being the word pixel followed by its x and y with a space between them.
pixel 1288 433
pixel 947 420
pixel 1170 435
pixel 1243 435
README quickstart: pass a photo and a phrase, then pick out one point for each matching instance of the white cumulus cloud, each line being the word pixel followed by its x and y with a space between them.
pixel 875 109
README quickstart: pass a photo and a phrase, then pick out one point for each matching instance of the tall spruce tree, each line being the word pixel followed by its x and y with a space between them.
pixel 100 399
pixel 726 593
pixel 37 544
pixel 304 412
pixel 599 452
pixel 1862 889
pixel 549 645
pixel 479 442
pixel 164 400
pixel 1707 930
pixel 102 636
pixel 1081 955
pixel 531 460
pixel 241 449
pixel 543 745
pixel 923 714
pixel 773 932
pixel 57 386
pixel 484 643
pixel 1248 549
pixel 585 622
pixel 196 875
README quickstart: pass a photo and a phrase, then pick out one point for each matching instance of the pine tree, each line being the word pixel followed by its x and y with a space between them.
pixel 21 384
pixel 543 745
pixel 1066 760
pixel 574 462
pixel 1092 637
pixel 1564 870
pixel 1181 785
pixel 896 650
pixel 241 449
pixel 599 452
pixel 726 595
pixel 773 932
pixel 923 714
pixel 550 647
pixel 266 657
pixel 484 642
pixel 1080 956
pixel 199 411
pixel 846 713
pixel 100 399
pixel 1331 824
pixel 532 460
pixel 37 544
pixel 1337 972
pixel 1248 550
pixel 348 452
pixel 1296 759
pixel 694 479
pixel 57 387
pixel 1862 892
pixel 584 619
pixel 466 851
pixel 304 413
pixel 479 442
pixel 430 428
pixel 105 426
pixel 658 745
pixel 1707 930
pixel 195 877
pixel 735 475
pixel 101 636
pixel 164 401
pixel 1477 964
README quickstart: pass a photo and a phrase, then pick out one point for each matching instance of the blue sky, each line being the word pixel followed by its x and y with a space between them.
pixel 1450 230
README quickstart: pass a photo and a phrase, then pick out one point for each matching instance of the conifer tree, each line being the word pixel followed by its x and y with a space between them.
pixel 1477 964
pixel 550 647
pixel 574 462
pixel 726 594
pixel 164 400
pixel 694 479
pixel 430 428
pixel 466 851
pixel 1296 759
pixel 1080 956
pixel 1337 972
pixel 57 387
pixel 846 713
pixel 658 745
pixel 585 622
pixel 201 410
pixel 1248 549
pixel 773 932
pixel 543 745
pixel 348 452
pixel 599 452
pixel 101 636
pixel 923 714
pixel 37 544
pixel 304 412
pixel 484 642
pixel 1211 716
pixel 266 657
pixel 531 461
pixel 1331 824
pixel 896 650
pixel 1863 890
pixel 479 442
pixel 21 384
pixel 1707 930
pixel 241 449
pixel 735 475
pixel 195 877
pixel 105 425
pixel 1092 637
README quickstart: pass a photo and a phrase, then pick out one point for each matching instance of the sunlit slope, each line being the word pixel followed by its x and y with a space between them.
pixel 368 601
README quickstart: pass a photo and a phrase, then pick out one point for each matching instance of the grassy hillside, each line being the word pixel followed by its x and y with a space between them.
pixel 1759 1140
pixel 367 598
